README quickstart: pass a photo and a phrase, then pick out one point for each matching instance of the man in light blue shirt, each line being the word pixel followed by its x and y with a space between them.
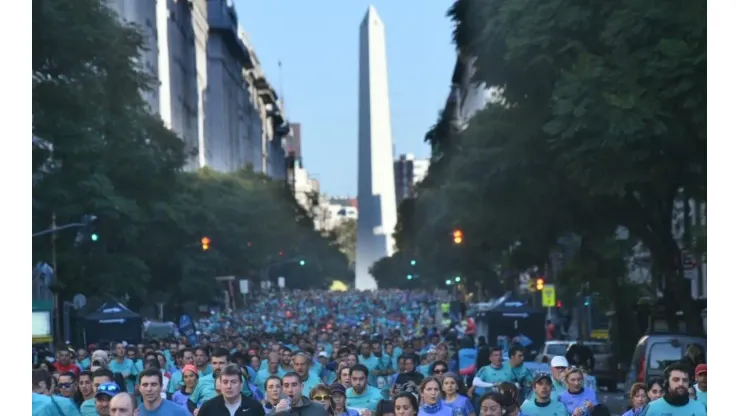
pixel 360 395
pixel 125 366
pixel 491 376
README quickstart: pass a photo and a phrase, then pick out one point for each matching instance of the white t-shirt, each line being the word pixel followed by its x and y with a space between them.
pixel 234 407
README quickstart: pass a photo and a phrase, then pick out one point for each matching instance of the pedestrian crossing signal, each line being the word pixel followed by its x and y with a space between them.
pixel 205 243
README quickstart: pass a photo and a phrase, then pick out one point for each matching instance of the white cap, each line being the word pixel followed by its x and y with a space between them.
pixel 558 361
pixel 323 354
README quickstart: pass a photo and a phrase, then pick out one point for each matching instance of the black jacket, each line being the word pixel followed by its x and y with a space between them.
pixel 217 407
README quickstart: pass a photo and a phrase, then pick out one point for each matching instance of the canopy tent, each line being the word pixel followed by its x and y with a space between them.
pixel 508 320
pixel 113 322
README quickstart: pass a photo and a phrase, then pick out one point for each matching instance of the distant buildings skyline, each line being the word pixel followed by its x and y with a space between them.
pixel 408 172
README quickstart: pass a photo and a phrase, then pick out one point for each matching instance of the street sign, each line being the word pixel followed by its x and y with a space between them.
pixel 244 286
pixel 548 296
pixel 532 286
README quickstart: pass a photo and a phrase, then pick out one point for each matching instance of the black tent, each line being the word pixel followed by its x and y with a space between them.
pixel 512 318
pixel 113 322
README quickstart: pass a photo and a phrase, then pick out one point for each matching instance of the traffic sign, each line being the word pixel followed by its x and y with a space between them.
pixel 548 296
pixel 532 286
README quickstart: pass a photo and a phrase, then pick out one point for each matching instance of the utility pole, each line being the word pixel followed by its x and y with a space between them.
pixel 57 309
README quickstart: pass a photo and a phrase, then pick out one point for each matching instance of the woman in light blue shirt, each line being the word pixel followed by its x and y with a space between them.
pixel 452 398
pixel 430 394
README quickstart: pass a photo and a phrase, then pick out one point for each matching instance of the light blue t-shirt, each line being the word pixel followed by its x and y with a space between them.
pixel 166 408
pixel 262 377
pixel 368 399
pixel 88 408
pixel 552 408
pixel 42 406
pixel 126 366
pixel 312 381
pixel 523 377
pixel 490 374
pixel 574 401
pixel 661 407
pixel 701 396
pixel 372 363
pixel 460 406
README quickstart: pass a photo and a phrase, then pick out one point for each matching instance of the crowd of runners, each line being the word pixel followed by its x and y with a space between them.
pixel 338 353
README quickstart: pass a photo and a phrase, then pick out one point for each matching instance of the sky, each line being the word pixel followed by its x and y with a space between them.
pixel 318 44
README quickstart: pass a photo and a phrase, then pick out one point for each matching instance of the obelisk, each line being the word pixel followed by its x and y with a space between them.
pixel 376 196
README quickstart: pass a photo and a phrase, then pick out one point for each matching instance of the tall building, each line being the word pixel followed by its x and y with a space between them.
pixel 408 172
pixel 212 91
pixel 294 145
pixel 376 194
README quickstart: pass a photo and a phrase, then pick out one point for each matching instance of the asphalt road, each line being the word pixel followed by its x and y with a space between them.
pixel 614 401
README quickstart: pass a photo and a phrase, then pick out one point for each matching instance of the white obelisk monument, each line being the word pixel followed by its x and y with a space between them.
pixel 376 197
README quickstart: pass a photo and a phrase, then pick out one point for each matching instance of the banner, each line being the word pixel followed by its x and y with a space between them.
pixel 187 329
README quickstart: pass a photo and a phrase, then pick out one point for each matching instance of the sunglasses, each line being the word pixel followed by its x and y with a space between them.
pixel 113 388
pixel 321 398
pixel 440 371
pixel 66 385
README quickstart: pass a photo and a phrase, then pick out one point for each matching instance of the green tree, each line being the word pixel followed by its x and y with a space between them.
pixel 103 152
pixel 622 105
pixel 346 237
pixel 110 156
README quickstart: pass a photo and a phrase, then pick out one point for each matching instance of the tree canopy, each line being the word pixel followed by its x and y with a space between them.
pixel 599 123
pixel 104 153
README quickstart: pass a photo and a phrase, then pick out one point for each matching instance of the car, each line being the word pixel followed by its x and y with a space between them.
pixel 552 349
pixel 607 370
pixel 656 351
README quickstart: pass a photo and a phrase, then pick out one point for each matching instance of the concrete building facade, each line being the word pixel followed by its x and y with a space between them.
pixel 408 171
pixel 212 91
pixel 375 183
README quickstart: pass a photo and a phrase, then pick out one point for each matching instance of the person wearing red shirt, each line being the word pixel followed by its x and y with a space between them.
pixel 65 364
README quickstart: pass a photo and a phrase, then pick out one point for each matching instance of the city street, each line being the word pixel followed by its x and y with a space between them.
pixel 615 401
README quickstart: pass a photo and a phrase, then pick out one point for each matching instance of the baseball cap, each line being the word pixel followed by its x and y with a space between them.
pixel 109 389
pixel 700 369
pixel 542 377
pixel 558 361
pixel 337 388
pixel 189 367
pixel 323 354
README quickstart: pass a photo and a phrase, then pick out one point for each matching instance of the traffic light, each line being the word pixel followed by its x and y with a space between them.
pixel 559 304
pixel 457 279
pixel 540 283
pixel 409 277
pixel 302 262
pixel 87 230
pixel 413 262
pixel 457 237
pixel 205 243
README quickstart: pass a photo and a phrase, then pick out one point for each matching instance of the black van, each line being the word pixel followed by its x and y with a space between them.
pixel 655 352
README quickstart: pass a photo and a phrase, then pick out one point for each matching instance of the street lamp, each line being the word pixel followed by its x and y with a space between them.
pixel 409 277
pixel 448 282
pixel 457 279
pixel 413 262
